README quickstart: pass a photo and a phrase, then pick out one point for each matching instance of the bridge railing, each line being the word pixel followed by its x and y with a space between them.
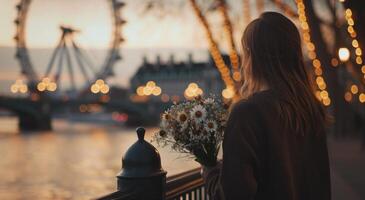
pixel 188 185
pixel 142 179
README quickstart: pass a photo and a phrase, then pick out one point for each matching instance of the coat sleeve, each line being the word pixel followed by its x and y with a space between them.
pixel 238 173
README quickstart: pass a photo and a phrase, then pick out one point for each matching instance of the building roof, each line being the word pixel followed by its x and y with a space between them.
pixel 176 67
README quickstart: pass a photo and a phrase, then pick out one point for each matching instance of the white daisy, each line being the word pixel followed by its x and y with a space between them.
pixel 182 117
pixel 209 101
pixel 210 126
pixel 165 120
pixel 198 113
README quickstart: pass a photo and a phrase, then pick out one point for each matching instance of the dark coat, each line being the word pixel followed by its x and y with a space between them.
pixel 263 160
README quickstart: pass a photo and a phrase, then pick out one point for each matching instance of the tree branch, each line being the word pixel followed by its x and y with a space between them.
pixel 285 8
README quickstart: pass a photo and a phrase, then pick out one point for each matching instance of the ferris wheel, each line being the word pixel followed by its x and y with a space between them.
pixel 68 50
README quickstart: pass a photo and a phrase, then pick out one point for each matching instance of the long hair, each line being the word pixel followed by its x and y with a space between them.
pixel 272 57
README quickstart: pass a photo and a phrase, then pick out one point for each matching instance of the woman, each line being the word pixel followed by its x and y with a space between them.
pixel 275 142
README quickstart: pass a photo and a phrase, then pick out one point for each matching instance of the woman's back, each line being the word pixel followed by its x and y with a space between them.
pixel 293 166
pixel 275 144
pixel 265 159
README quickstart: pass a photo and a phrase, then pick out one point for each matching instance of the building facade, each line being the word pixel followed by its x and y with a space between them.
pixel 176 81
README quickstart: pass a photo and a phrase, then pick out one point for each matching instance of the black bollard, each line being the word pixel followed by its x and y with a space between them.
pixel 142 175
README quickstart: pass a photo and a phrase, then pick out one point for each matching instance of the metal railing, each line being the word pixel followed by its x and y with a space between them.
pixel 186 186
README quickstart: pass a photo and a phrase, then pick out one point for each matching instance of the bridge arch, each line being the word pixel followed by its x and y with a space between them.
pixel 33 115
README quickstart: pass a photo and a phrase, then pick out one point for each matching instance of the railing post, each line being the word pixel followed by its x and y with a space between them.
pixel 142 176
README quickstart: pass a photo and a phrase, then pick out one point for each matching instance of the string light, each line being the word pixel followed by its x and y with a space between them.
pixel 362 98
pixel 213 48
pixel 348 96
pixel 352 32
pixel 354 89
pixel 233 56
pixel 322 93
pixel 357 49
pixel 334 62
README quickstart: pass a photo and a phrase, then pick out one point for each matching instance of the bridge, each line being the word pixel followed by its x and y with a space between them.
pixel 36 114
pixel 33 115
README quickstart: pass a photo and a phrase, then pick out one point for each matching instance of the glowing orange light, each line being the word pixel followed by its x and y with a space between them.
pixel 228 93
pixel 237 76
pixel 348 12
pixel 359 60
pixel 41 86
pixel 95 88
pixel 99 86
pixel 334 62
pixel 139 91
pixel 193 90
pixel 326 102
pixel 104 89
pixel 355 43
pixel 362 98
pixel 358 51
pixel 19 87
pixel 318 71
pixel 348 96
pixel 156 91
pixel 322 94
pixel 354 89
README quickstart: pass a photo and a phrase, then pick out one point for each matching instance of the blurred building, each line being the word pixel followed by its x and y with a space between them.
pixel 174 81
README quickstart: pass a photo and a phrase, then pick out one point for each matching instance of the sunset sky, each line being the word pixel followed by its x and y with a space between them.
pixel 146 33
pixel 169 29
pixel 92 17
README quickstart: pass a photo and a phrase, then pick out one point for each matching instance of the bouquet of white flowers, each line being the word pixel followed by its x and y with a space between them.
pixel 194 127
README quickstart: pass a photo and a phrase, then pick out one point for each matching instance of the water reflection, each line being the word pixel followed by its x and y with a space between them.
pixel 76 161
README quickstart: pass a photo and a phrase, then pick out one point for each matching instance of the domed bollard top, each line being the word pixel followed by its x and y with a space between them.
pixel 141 159
pixel 141 172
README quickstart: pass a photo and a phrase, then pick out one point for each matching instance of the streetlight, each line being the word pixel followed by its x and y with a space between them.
pixel 343 54
pixel 151 88
pixel 19 87
pixel 46 84
pixel 99 87
pixel 193 90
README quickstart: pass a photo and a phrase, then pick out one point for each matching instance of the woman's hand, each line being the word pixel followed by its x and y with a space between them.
pixel 207 170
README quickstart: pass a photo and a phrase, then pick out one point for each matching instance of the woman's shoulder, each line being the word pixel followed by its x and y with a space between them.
pixel 255 101
pixel 255 105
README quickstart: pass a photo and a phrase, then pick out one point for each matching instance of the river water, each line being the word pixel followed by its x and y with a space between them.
pixel 74 161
